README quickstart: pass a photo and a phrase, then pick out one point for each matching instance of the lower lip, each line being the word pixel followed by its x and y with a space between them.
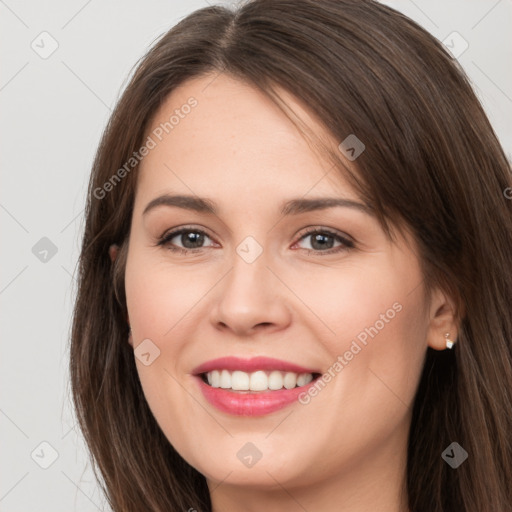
pixel 251 404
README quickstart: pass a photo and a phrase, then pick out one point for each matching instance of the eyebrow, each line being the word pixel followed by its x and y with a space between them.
pixel 291 207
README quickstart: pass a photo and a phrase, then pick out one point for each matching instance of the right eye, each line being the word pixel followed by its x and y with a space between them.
pixel 190 238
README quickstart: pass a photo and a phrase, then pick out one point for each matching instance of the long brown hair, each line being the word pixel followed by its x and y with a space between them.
pixel 432 161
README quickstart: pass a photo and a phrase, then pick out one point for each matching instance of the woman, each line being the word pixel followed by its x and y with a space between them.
pixel 295 280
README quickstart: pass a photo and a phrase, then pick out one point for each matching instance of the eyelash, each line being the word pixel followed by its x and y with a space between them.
pixel 346 243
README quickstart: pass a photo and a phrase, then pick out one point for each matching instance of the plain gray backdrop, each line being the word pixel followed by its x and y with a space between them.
pixel 64 65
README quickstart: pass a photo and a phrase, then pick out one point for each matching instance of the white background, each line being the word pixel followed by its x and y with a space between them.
pixel 53 112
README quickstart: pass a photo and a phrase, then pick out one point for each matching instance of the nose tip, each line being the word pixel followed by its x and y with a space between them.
pixel 250 300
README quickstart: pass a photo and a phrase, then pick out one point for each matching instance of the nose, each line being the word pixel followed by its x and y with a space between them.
pixel 250 299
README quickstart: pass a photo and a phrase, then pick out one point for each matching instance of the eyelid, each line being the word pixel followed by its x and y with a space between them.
pixel 323 229
pixel 172 233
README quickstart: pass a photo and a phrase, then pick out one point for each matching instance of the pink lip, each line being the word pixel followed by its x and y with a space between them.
pixel 246 403
pixel 250 365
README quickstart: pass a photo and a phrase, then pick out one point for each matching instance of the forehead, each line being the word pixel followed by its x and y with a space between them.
pixel 234 138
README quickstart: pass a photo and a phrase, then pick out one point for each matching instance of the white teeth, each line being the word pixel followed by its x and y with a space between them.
pixel 240 381
pixel 215 379
pixel 275 380
pixel 225 380
pixel 290 380
pixel 304 378
pixel 257 381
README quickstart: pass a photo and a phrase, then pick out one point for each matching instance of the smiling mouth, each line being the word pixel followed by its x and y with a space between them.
pixel 258 381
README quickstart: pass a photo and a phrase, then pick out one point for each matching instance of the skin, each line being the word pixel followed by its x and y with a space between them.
pixel 346 449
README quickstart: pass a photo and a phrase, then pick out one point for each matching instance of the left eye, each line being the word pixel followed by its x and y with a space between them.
pixel 323 241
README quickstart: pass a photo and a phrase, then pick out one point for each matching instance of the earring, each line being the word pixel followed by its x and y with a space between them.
pixel 449 343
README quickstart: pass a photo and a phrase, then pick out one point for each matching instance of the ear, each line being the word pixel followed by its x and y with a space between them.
pixel 112 252
pixel 442 320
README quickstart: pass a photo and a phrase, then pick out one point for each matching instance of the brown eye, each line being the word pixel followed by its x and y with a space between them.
pixel 189 238
pixel 323 241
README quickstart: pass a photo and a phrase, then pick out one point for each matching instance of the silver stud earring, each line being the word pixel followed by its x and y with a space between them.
pixel 449 343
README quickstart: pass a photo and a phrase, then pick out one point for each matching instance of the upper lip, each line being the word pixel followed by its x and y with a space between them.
pixel 250 365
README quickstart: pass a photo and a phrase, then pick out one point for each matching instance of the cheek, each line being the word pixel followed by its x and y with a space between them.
pixel 357 300
pixel 165 396
pixel 376 340
pixel 368 395
pixel 161 303
pixel 159 297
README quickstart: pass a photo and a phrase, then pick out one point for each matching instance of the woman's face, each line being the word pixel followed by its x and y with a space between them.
pixel 269 275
